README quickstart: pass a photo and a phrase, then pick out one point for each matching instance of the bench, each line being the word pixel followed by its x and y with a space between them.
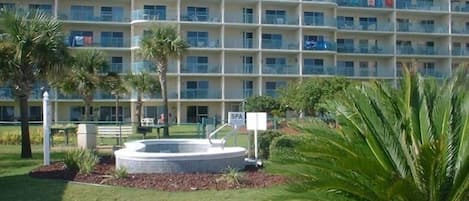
pixel 114 132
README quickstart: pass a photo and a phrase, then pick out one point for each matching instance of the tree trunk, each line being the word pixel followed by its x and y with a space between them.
pixel 139 109
pixel 24 116
pixel 162 68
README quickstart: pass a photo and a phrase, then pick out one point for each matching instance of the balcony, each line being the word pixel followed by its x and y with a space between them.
pixel 459 8
pixel 366 27
pixel 200 68
pixel 364 3
pixel 271 92
pixel 241 44
pixel 275 44
pixel 280 69
pixel 420 50
pixel 239 93
pixel 117 68
pixel 283 20
pixel 460 52
pixel 319 46
pixel 203 43
pixel 343 71
pixel 92 18
pixel 319 21
pixel 147 66
pixel 408 5
pixel 104 95
pixel 89 41
pixel 363 50
pixel 240 18
pixel 316 70
pixel 6 93
pixel 421 28
pixel 151 15
pixel 459 30
pixel 241 69
pixel 200 18
pixel 200 94
pixel 432 73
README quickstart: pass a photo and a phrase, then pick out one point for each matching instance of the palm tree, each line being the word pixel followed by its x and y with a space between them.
pixel 143 83
pixel 84 76
pixel 31 49
pixel 159 45
pixel 410 143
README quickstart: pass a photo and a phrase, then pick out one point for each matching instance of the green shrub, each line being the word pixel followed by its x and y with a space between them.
pixel 81 160
pixel 265 139
pixel 14 138
pixel 284 146
pixel 119 173
pixel 231 176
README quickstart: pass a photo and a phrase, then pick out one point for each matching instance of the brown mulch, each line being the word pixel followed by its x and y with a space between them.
pixel 252 178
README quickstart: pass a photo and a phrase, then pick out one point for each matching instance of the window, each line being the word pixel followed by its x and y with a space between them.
pixel 272 41
pixel 82 12
pixel 403 24
pixel 7 6
pixel 35 113
pixel 248 16
pixel 117 65
pixel 345 68
pixel 344 22
pixel 81 38
pixel 428 25
pixel 7 113
pixel 45 8
pixel 196 64
pixel 196 89
pixel 154 12
pixel 197 39
pixel 368 23
pixel 195 114
pixel 428 69
pixel 404 47
pixel 311 42
pixel 272 86
pixel 313 18
pixel 248 88
pixel 345 45
pixel 197 14
pixel 108 113
pixel 248 65
pixel 78 112
pixel 275 65
pixel 112 13
pixel 152 111
pixel 112 39
pixel 275 17
pixel 313 66
pixel 363 69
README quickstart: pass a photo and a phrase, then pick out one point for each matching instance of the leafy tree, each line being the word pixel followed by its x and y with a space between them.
pixel 142 83
pixel 406 144
pixel 84 76
pixel 312 95
pixel 263 104
pixel 114 84
pixel 31 49
pixel 161 44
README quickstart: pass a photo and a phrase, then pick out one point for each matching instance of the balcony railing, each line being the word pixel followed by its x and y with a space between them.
pixel 315 70
pixel 89 41
pixel 364 50
pixel 102 95
pixel 240 18
pixel 319 21
pixel 364 3
pixel 200 68
pixel 326 1
pixel 92 18
pixel 422 28
pixel 244 44
pixel 420 50
pixel 344 71
pixel 238 93
pixel 271 92
pixel 204 43
pixel 272 44
pixel 459 30
pixel 408 5
pixel 460 52
pixel 150 15
pixel 366 27
pixel 458 8
pixel 241 69
pixel 319 46
pixel 286 20
pixel 195 18
pixel 117 68
pixel 200 94
pixel 280 69
pixel 147 66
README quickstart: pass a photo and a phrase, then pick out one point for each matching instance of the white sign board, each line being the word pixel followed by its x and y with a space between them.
pixel 256 121
pixel 237 118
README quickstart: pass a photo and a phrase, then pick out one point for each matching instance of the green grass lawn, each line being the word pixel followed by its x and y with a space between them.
pixel 15 184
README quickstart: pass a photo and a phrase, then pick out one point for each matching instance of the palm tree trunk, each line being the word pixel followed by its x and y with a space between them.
pixel 87 111
pixel 162 68
pixel 139 109
pixel 24 117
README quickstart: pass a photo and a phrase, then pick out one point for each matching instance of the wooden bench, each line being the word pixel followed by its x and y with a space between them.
pixel 114 132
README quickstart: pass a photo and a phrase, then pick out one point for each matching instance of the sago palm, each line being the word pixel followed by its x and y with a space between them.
pixel 32 49
pixel 142 83
pixel 160 45
pixel 405 144
pixel 84 77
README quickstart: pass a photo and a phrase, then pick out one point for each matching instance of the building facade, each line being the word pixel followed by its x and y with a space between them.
pixel 241 48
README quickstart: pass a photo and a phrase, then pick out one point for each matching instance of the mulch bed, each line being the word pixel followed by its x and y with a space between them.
pixel 252 178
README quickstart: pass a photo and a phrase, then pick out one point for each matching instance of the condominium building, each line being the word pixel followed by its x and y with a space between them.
pixel 240 48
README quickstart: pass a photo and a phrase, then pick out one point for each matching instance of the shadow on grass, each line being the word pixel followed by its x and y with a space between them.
pixel 23 187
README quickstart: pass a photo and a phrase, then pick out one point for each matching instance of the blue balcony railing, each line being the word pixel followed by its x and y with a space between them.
pixel 200 68
pixel 240 18
pixel 364 50
pixel 280 69
pixel 204 43
pixel 89 41
pixel 460 8
pixel 242 43
pixel 408 5
pixel 368 26
pixel 200 18
pixel 143 66
pixel 92 18
pixel 422 28
pixel 314 70
pixel 274 19
pixel 364 3
pixel 271 92
pixel 277 44
pixel 241 69
pixel 200 94
pixel 344 71
pixel 420 50
pixel 151 15
pixel 319 46
pixel 459 30
pixel 460 52
pixel 319 21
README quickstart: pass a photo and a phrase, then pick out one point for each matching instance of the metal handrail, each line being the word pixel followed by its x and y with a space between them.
pixel 215 132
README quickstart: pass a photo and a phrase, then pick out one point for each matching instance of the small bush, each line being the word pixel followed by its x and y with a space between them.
pixel 265 139
pixel 81 160
pixel 119 173
pixel 14 138
pixel 284 146
pixel 231 176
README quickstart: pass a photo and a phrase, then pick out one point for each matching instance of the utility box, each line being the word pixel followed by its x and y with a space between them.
pixel 86 135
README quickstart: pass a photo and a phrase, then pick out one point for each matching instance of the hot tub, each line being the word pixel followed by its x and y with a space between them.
pixel 178 156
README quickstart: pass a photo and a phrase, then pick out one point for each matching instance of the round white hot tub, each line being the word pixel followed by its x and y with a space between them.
pixel 178 155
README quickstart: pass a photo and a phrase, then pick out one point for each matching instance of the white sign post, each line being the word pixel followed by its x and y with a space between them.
pixel 256 121
pixel 46 123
